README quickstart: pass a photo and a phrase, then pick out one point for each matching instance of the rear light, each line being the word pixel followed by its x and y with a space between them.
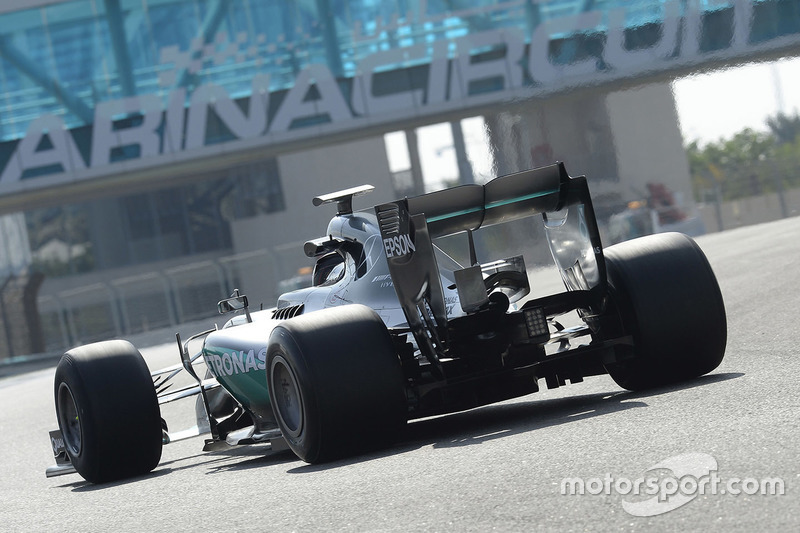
pixel 536 322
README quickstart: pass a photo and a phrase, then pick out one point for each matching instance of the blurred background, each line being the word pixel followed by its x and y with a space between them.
pixel 157 154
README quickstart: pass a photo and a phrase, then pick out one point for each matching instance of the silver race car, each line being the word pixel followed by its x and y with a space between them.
pixel 395 329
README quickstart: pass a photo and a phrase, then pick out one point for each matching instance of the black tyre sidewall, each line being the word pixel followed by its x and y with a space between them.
pixel 668 298
pixel 120 418
pixel 350 379
pixel 283 349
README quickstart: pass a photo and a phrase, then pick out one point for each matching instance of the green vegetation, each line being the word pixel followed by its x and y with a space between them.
pixel 750 163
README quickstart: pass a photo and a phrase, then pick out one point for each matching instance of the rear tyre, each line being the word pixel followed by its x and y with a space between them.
pixel 108 411
pixel 668 298
pixel 335 383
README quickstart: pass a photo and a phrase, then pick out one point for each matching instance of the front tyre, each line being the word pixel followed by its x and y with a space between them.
pixel 668 299
pixel 335 383
pixel 108 411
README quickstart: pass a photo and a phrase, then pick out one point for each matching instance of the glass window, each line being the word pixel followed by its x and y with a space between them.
pixel 60 240
pixel 139 213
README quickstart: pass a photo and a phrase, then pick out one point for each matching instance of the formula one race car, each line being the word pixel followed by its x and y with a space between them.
pixel 394 329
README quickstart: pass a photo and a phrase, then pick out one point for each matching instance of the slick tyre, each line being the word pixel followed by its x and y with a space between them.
pixel 108 411
pixel 668 299
pixel 335 383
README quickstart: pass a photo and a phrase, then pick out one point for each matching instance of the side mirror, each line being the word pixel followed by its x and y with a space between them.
pixel 236 302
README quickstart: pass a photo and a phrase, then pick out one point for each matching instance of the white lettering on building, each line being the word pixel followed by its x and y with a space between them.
pixel 211 96
pixel 64 152
pixel 331 104
pixel 163 126
pixel 106 137
pixel 468 69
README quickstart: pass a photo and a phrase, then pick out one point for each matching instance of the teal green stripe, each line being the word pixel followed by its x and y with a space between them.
pixel 491 205
pixel 501 203
pixel 454 214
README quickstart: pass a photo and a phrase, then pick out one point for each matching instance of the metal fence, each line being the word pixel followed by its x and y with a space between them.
pixel 185 293
pixel 159 298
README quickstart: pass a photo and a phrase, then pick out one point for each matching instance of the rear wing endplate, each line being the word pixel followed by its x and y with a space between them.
pixel 408 227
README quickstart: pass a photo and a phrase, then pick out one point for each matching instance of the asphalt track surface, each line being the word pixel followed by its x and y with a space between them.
pixel 499 467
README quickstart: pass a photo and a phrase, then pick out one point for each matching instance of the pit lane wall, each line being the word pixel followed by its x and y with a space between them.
pixel 719 216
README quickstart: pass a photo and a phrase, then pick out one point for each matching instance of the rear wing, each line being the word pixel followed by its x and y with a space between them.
pixel 408 227
pixel 469 207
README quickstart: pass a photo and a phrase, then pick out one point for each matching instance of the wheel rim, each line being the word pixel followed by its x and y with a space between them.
pixel 69 421
pixel 288 399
